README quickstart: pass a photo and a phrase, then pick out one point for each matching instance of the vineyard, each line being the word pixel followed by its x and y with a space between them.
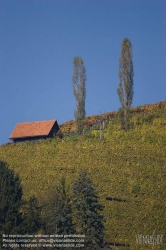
pixel 127 168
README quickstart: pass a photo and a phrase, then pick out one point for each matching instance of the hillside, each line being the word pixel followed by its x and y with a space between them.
pixel 90 121
pixel 127 168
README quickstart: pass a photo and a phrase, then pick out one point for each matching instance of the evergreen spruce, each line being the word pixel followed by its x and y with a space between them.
pixel 88 220
pixel 31 216
pixel 10 201
pixel 79 90
pixel 125 90
pixel 60 218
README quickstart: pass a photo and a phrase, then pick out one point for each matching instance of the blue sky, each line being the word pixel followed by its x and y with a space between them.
pixel 39 40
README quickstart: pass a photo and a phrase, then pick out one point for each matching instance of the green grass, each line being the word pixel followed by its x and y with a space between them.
pixel 128 165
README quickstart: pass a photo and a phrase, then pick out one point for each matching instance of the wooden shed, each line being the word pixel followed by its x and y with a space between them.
pixel 32 131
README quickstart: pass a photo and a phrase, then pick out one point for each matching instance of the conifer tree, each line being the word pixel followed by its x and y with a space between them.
pixel 125 90
pixel 10 201
pixel 79 90
pixel 16 216
pixel 31 213
pixel 60 218
pixel 88 220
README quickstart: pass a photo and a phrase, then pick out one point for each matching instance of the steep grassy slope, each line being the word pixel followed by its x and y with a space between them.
pixel 125 166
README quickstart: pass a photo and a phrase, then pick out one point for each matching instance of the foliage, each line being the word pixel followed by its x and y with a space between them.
pixel 126 73
pixel 31 213
pixel 123 115
pixel 87 218
pixel 60 218
pixel 10 201
pixel 79 90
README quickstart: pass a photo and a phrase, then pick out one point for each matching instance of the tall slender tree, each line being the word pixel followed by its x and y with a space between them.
pixel 126 74
pixel 87 209
pixel 79 90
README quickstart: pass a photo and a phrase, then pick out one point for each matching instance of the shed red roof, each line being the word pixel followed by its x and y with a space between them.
pixel 31 129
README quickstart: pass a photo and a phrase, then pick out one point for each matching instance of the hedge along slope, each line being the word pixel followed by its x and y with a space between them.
pixel 127 168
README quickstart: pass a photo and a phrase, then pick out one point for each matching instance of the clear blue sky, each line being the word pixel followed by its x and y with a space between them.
pixel 39 39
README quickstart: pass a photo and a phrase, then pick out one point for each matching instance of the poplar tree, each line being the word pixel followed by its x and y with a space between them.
pixel 86 212
pixel 125 89
pixel 79 90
